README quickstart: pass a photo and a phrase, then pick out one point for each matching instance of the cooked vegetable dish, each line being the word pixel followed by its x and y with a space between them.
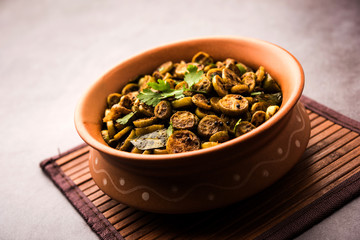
pixel 187 106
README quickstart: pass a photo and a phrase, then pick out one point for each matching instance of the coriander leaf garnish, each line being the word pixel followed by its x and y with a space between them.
pixel 125 119
pixel 236 124
pixel 149 97
pixel 161 85
pixel 173 93
pixel 163 91
pixel 192 76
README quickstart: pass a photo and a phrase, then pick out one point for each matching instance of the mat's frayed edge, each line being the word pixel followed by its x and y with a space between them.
pixel 89 212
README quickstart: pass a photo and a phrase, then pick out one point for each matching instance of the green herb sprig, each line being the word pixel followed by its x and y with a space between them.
pixel 163 90
pixel 192 76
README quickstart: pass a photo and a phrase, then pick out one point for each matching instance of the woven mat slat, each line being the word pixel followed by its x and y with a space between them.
pixel 330 164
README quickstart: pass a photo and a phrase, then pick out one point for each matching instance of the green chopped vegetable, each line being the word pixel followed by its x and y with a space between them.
pixel 236 124
pixel 256 93
pixel 170 130
pixel 241 68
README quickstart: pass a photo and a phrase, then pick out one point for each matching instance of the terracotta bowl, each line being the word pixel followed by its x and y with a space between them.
pixel 207 178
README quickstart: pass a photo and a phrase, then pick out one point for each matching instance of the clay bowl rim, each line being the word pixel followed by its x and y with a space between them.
pixel 133 157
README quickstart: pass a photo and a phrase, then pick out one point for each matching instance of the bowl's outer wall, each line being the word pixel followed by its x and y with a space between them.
pixel 278 62
pixel 185 191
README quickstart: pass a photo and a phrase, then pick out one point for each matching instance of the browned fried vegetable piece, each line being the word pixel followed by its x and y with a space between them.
pixel 163 109
pixel 201 101
pixel 122 133
pixel 230 78
pixel 146 109
pixel 182 103
pixel 240 89
pixel 209 144
pixel 204 86
pixel 214 101
pixel 113 99
pixel 259 106
pixel 125 101
pixel 132 96
pixel 210 125
pixel 220 137
pixel 148 129
pixel 182 141
pixel 214 71
pixel 130 87
pixel 165 67
pixel 230 64
pixel 258 118
pixel 157 75
pixel 144 122
pixel 115 112
pixel 270 111
pixel 144 81
pixel 200 112
pixel 184 120
pixel 260 74
pixel 230 122
pixel 219 85
pixel 270 85
pixel 160 151
pixel 126 144
pixel 202 58
pixel 233 104
pixel 243 127
pixel 249 80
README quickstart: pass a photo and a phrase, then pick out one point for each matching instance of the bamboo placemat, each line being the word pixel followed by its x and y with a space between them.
pixel 326 178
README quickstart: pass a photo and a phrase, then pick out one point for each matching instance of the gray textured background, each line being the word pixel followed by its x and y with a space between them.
pixel 51 51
